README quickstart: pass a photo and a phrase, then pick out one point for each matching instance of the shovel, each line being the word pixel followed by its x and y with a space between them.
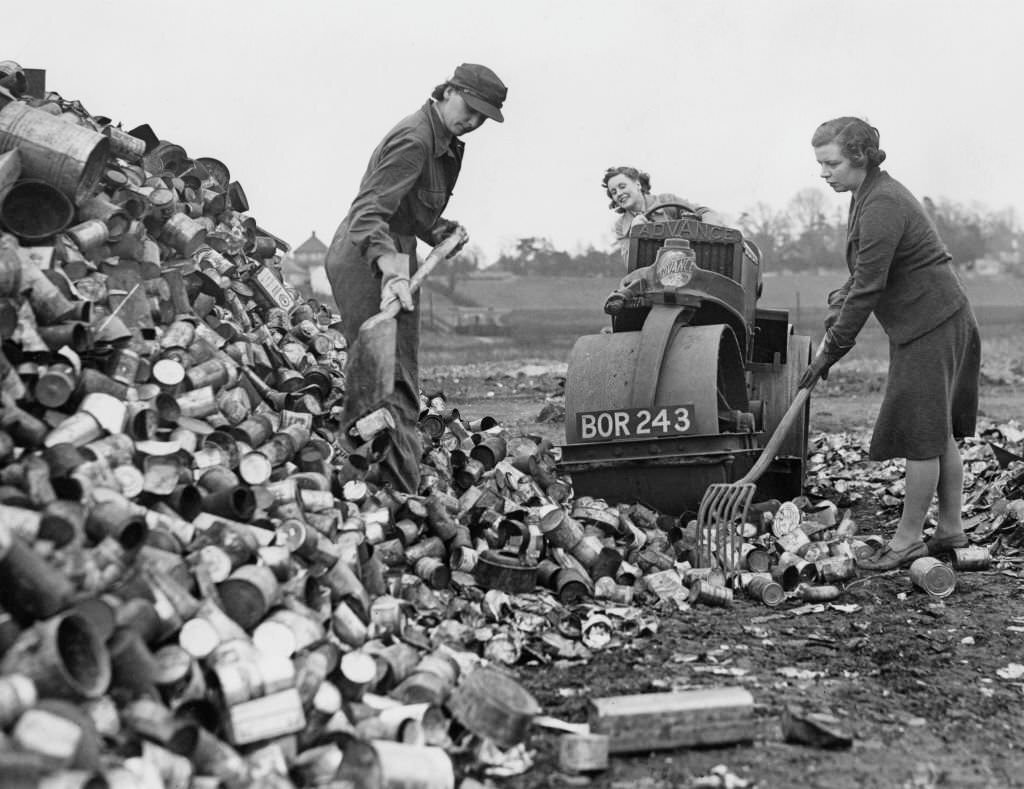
pixel 723 509
pixel 370 373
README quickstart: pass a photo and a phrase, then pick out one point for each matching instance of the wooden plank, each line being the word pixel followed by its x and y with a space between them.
pixel 657 721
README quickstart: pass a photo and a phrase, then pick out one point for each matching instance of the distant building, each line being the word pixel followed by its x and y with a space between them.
pixel 304 267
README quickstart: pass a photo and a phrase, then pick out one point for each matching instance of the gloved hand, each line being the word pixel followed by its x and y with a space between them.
pixel 819 368
pixel 394 280
pixel 444 228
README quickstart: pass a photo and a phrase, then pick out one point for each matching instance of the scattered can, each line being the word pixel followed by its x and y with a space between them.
pixel 972 558
pixel 934 577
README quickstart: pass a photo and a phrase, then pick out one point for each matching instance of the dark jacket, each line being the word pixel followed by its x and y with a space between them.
pixel 899 268
pixel 406 186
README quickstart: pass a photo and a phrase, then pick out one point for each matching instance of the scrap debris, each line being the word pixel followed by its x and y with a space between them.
pixel 206 583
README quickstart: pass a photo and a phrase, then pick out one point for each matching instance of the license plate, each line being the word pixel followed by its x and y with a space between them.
pixel 630 423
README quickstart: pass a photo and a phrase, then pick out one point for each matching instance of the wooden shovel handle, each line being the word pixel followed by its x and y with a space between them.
pixel 437 254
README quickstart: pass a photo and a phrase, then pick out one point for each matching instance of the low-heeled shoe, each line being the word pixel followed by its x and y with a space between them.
pixel 888 559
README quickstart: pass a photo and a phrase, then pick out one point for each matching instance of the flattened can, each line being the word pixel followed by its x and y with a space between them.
pixel 934 577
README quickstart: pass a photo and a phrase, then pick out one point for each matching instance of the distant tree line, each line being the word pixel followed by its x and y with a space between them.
pixel 801 237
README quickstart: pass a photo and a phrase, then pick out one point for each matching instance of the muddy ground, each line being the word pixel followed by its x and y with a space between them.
pixel 922 685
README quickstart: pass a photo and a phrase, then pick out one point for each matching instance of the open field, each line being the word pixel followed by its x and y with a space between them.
pixel 545 315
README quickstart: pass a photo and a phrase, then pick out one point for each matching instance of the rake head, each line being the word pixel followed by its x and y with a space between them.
pixel 720 519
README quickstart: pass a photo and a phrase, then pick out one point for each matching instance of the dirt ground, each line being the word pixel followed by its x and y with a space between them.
pixel 926 688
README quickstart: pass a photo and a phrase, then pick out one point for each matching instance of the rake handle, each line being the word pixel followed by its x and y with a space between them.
pixel 781 431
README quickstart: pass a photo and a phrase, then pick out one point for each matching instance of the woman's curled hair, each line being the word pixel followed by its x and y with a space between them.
pixel 631 173
pixel 857 139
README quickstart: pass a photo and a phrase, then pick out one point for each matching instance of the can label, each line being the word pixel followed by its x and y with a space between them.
pixel 271 289
pixel 266 718
pixel 303 420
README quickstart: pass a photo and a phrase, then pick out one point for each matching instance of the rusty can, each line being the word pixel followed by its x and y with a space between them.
pixel 69 156
pixel 89 236
pixel 710 594
pixel 268 717
pixel 587 550
pixel 972 558
pixel 358 673
pixel 366 428
pixel 249 593
pixel 793 541
pixel 790 564
pixel 765 590
pixel 754 558
pixel 560 530
pixel 934 577
pixel 387 615
pixel 434 571
pixel 397 764
pixel 620 594
pixel 348 625
pixel 836 568
pixel 183 233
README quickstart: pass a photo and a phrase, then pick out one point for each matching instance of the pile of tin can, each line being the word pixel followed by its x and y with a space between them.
pixel 204 581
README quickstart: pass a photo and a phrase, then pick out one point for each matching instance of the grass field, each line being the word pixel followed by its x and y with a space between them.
pixel 545 315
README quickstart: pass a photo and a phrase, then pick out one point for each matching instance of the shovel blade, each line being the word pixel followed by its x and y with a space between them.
pixel 370 372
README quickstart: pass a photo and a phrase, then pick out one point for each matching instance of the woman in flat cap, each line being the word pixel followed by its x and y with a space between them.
pixel 404 191
pixel 900 270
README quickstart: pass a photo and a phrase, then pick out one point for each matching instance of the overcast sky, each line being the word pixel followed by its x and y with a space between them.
pixel 716 100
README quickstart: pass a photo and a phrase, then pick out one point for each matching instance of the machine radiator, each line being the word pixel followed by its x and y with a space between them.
pixel 711 256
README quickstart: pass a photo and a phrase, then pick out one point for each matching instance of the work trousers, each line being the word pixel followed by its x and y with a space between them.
pixel 356 289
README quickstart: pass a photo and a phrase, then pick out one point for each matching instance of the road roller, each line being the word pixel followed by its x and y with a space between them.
pixel 689 381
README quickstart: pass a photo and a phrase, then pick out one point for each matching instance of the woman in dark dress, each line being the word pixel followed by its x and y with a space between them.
pixel 900 270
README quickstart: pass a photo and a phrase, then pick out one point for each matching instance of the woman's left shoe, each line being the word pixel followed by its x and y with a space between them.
pixel 889 559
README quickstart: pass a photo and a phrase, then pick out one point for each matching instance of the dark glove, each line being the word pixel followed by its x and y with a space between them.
pixel 394 280
pixel 444 228
pixel 819 368
pixel 441 230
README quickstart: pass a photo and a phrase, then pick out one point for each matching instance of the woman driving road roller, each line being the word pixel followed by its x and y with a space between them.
pixel 629 190
pixel 900 270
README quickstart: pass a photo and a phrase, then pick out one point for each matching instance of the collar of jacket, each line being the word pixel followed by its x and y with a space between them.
pixel 444 140
pixel 870 182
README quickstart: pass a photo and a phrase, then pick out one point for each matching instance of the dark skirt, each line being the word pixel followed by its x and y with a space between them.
pixel 931 392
